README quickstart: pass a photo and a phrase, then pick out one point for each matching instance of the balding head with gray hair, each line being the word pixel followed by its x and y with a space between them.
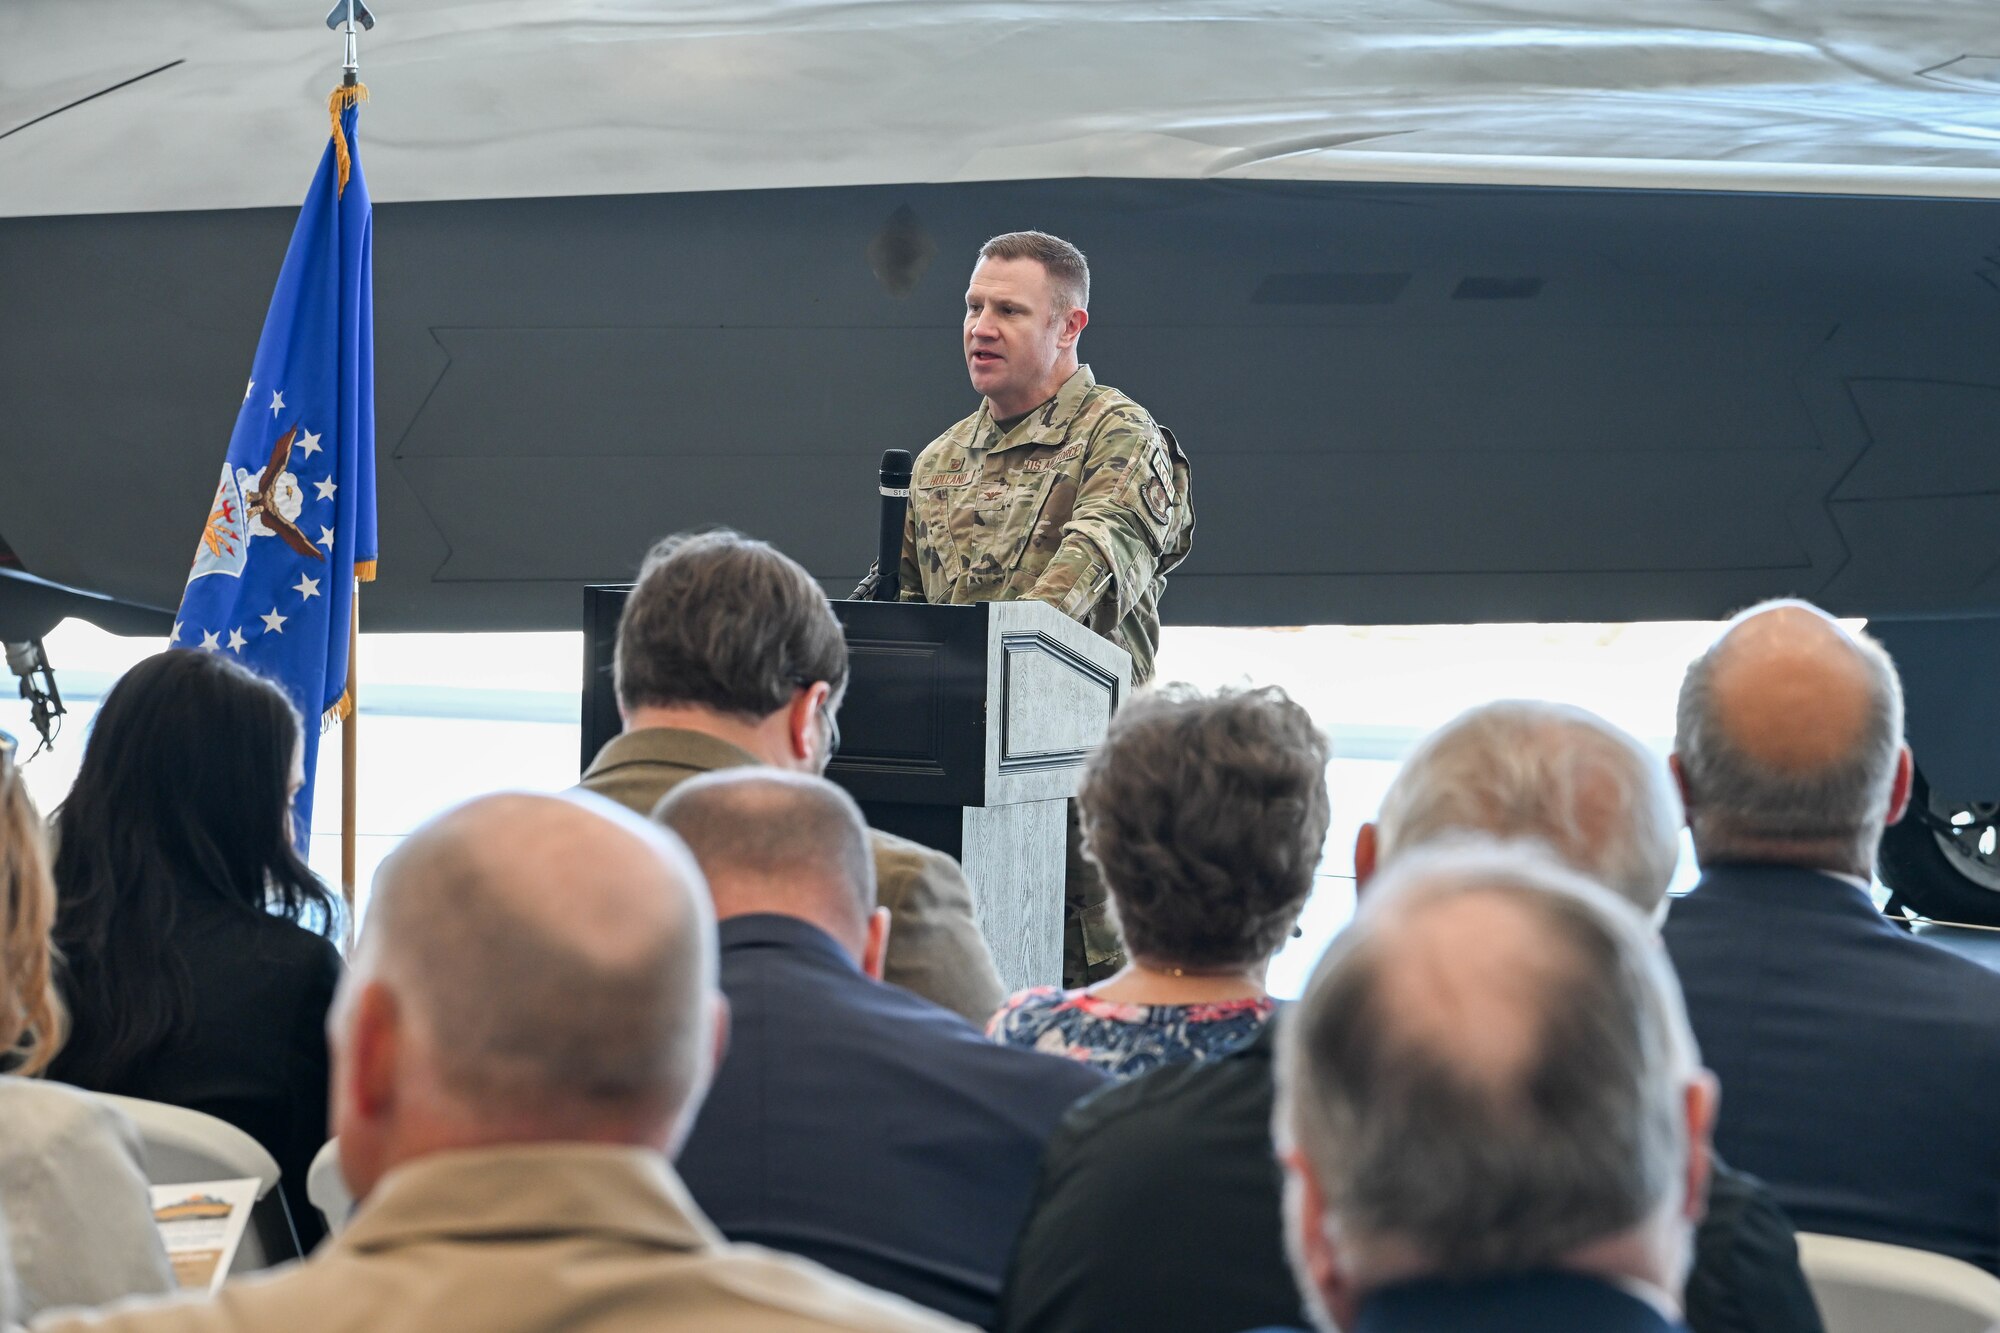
pixel 1562 776
pixel 776 842
pixel 533 968
pixel 1490 1071
pixel 1789 742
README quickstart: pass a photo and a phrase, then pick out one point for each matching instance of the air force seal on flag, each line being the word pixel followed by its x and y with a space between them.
pixel 244 509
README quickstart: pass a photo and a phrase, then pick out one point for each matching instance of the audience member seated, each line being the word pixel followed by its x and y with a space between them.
pixel 1205 816
pixel 190 972
pixel 851 1122
pixel 1129 1173
pixel 524 1039
pixel 1490 1110
pixel 72 1187
pixel 1862 1064
pixel 10 1304
pixel 728 655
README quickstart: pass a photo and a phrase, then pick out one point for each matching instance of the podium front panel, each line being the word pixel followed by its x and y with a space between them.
pixel 912 726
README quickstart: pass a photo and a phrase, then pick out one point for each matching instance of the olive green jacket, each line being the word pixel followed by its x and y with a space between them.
pixel 1085 504
pixel 935 947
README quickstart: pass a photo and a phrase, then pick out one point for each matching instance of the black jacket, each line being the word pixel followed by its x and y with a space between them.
pixel 1158 1209
pixel 254 1053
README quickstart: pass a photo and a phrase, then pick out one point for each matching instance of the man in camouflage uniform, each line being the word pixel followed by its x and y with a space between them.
pixel 1058 489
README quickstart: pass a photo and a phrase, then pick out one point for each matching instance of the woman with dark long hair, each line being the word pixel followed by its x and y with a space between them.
pixel 197 961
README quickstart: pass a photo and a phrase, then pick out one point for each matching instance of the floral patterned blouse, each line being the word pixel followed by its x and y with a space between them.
pixel 1125 1040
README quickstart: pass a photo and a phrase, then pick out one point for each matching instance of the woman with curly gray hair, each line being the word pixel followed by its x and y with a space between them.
pixel 1205 815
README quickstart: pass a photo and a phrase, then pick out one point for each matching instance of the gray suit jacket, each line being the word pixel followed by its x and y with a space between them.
pixel 550 1238
pixel 935 947
pixel 75 1201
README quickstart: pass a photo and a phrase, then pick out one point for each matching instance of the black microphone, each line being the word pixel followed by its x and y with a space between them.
pixel 889 541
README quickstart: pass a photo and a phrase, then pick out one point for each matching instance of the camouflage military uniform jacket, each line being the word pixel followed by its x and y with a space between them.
pixel 1085 504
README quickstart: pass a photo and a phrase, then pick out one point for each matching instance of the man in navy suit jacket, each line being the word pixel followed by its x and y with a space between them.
pixel 1862 1065
pixel 1490 1110
pixel 851 1121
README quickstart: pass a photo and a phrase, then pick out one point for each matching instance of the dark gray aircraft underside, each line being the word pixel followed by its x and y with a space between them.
pixel 1404 403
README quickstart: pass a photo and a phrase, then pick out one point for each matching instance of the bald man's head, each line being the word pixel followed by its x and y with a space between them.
pixel 1790 731
pixel 770 841
pixel 547 965
pixel 1514 1031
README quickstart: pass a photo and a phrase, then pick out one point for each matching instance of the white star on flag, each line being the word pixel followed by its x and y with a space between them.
pixel 209 641
pixel 326 538
pixel 305 587
pixel 247 388
pixel 326 488
pixel 277 401
pixel 175 637
pixel 236 640
pixel 308 443
pixel 274 623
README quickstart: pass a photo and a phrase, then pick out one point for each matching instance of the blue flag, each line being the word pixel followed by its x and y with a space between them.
pixel 293 522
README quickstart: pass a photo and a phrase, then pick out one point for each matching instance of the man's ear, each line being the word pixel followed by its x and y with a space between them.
pixel 1316 1259
pixel 1365 851
pixel 373 1049
pixel 1072 327
pixel 1899 788
pixel 1681 786
pixel 875 948
pixel 1703 1102
pixel 719 1039
pixel 803 726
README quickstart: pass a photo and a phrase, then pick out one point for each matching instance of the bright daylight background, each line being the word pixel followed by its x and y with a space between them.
pixel 446 716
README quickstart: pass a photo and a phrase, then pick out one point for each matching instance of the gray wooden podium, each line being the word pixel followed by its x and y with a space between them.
pixel 965 729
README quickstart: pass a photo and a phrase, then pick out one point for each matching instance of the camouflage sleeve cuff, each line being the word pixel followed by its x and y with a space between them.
pixel 1075 581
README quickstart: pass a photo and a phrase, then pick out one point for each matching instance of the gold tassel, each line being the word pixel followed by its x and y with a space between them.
pixel 364 571
pixel 343 707
pixel 343 97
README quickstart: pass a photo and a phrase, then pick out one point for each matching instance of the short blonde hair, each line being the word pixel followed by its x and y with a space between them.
pixel 1069 272
pixel 1525 768
pixel 31 1017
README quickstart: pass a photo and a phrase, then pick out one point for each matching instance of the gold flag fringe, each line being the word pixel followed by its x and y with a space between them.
pixel 342 709
pixel 343 98
pixel 364 570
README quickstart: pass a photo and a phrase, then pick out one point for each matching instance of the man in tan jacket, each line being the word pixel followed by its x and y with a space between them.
pixel 512 1069
pixel 728 655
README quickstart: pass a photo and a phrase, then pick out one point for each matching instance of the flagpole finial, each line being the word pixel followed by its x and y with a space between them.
pixel 347 13
pixel 342 17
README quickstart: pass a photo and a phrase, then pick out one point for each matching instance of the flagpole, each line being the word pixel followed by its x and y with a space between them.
pixel 350 755
pixel 344 15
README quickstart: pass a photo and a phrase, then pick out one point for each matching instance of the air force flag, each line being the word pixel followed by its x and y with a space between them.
pixel 292 525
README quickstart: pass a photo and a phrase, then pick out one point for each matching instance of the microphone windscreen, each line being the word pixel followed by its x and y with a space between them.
pixel 896 465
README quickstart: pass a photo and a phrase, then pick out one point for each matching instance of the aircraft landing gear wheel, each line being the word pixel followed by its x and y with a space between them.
pixel 1943 859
